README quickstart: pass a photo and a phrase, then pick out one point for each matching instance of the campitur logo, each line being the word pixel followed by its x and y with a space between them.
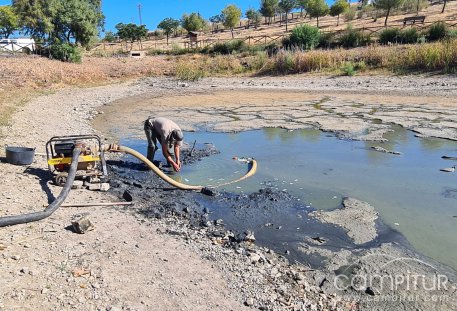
pixel 393 279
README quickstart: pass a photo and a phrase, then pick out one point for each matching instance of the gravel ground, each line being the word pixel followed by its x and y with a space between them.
pixel 132 262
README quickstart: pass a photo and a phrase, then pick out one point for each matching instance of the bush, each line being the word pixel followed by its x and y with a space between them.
pixel 348 69
pixel 327 40
pixel 305 37
pixel 352 38
pixel 272 49
pixel 390 35
pixel 349 15
pixel 259 60
pixel 437 31
pixel 189 72
pixel 452 34
pixel 65 52
pixel 409 36
pixel 227 47
pixel 284 62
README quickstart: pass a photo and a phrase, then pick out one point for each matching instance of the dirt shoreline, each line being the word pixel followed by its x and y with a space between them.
pixel 165 271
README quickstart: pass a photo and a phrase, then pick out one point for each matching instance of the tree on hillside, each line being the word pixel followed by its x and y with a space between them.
pixel 192 22
pixel 387 5
pixel 317 8
pixel 9 21
pixel 68 21
pixel 109 37
pixel 268 8
pixel 80 20
pixel 253 17
pixel 231 16
pixel 216 19
pixel 339 7
pixel 131 32
pixel 168 25
pixel 444 6
pixel 303 6
pixel 36 16
pixel 286 7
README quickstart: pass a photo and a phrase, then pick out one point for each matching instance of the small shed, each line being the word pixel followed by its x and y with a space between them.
pixel 193 39
pixel 193 36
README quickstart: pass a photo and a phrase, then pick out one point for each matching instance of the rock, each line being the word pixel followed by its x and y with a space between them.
pixel 25 270
pixel 249 236
pixel 44 291
pixel 249 302
pixel 16 257
pixel 380 149
pixel 96 285
pixel 254 258
pixel 94 187
pixel 208 191
pixel 77 184
pixel 448 169
pixel 127 196
pixel 369 291
pixel 219 222
pixel 82 225
pixel 104 187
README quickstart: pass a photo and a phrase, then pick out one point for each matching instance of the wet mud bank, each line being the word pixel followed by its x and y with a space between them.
pixel 343 257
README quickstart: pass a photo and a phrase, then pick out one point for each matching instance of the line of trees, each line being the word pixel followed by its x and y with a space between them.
pixel 231 14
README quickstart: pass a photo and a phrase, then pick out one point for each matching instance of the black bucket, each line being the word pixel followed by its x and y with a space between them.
pixel 19 155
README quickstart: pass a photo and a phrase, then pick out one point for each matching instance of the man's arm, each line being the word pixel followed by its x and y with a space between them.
pixel 177 155
pixel 168 157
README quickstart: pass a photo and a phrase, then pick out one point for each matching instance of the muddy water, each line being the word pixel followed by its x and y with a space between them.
pixel 409 191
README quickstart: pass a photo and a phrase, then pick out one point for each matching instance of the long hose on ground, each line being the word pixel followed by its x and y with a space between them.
pixel 22 219
pixel 139 156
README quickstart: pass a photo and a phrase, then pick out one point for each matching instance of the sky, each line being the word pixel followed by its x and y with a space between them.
pixel 153 11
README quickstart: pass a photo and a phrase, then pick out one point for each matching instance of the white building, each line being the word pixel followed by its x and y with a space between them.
pixel 17 45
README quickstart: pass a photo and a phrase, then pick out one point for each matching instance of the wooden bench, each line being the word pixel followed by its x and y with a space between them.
pixel 413 20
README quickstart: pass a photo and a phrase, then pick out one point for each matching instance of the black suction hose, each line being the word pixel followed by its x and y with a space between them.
pixel 22 219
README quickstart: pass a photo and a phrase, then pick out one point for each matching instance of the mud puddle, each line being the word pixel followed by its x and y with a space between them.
pixel 317 170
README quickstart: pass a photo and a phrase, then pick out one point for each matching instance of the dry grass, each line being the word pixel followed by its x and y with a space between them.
pixel 29 71
pixel 438 56
pixel 22 77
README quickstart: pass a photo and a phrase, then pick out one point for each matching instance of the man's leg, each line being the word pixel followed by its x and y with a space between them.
pixel 152 141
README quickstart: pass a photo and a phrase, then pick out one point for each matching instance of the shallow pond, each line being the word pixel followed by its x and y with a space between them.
pixel 409 191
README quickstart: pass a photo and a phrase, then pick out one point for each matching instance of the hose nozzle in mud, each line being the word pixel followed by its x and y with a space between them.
pixel 208 191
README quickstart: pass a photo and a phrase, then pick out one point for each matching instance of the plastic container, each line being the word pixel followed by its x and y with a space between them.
pixel 19 155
